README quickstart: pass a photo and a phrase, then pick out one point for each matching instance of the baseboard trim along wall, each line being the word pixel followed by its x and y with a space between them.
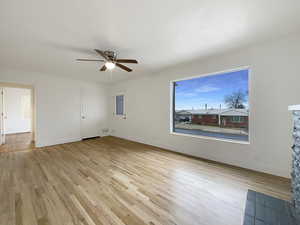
pixel 57 142
pixel 89 138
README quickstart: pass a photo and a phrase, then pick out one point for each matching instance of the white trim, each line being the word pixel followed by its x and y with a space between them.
pixel 212 138
pixel 2 130
pixel 57 142
pixel 213 73
pixel 294 107
pixel 81 112
pixel 209 74
pixel 171 106
pixel 249 102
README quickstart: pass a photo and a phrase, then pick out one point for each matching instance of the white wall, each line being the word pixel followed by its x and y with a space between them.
pixel 58 105
pixel 17 120
pixel 275 80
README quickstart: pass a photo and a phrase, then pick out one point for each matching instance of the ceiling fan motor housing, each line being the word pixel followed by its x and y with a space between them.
pixel 110 59
pixel 112 55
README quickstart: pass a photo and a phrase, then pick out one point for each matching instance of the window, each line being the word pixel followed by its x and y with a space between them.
pixel 220 99
pixel 238 119
pixel 120 105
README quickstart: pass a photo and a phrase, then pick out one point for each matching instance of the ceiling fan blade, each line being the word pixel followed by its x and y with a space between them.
pixel 103 68
pixel 123 67
pixel 126 61
pixel 92 60
pixel 102 54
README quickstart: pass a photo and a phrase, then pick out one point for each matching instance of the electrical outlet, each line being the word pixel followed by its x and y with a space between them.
pixel 105 130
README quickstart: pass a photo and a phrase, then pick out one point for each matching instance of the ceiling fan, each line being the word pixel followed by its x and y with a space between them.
pixel 111 61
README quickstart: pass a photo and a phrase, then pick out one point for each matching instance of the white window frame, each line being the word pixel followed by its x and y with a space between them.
pixel 171 85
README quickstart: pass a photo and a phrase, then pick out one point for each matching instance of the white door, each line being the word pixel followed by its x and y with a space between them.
pixel 91 112
pixel 2 127
pixel 17 110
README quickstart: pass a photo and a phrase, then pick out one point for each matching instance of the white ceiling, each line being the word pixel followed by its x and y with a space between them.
pixel 48 35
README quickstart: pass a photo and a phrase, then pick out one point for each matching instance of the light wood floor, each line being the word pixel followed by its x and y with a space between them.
pixel 17 142
pixel 113 181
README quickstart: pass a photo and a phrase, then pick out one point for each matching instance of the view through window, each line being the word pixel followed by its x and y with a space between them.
pixel 120 105
pixel 214 106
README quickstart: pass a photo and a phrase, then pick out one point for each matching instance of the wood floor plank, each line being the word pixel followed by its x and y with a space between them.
pixel 110 181
pixel 17 142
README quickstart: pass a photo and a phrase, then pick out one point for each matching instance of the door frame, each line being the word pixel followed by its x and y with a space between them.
pixel 33 105
pixel 2 134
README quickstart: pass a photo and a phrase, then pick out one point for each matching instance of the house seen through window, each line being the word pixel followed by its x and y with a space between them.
pixel 214 106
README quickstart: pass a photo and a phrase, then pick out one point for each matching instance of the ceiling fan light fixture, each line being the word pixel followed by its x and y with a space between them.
pixel 110 65
pixel 111 61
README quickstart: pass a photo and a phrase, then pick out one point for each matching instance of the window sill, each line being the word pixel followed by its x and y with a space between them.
pixel 120 116
pixel 211 138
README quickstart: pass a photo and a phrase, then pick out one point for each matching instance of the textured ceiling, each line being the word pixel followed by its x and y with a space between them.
pixel 47 36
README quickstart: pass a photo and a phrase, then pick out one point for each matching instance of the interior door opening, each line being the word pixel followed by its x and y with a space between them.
pixel 17 118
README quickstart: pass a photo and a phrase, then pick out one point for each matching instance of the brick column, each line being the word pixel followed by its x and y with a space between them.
pixel 296 161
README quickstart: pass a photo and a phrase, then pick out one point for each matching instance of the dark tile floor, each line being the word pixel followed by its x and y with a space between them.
pixel 263 209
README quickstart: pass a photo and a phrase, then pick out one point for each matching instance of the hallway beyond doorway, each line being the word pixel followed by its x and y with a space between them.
pixel 17 142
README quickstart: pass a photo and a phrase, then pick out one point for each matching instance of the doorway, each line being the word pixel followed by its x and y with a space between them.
pixel 17 120
pixel 93 105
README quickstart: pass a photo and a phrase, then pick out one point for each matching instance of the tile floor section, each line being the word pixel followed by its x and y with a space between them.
pixel 263 209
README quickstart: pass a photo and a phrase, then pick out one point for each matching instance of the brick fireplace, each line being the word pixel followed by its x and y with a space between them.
pixel 296 158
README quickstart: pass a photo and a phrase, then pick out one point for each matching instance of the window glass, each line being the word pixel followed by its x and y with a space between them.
pixel 213 105
pixel 120 105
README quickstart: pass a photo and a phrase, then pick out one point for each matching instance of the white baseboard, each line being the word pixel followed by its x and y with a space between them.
pixel 18 132
pixel 57 142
